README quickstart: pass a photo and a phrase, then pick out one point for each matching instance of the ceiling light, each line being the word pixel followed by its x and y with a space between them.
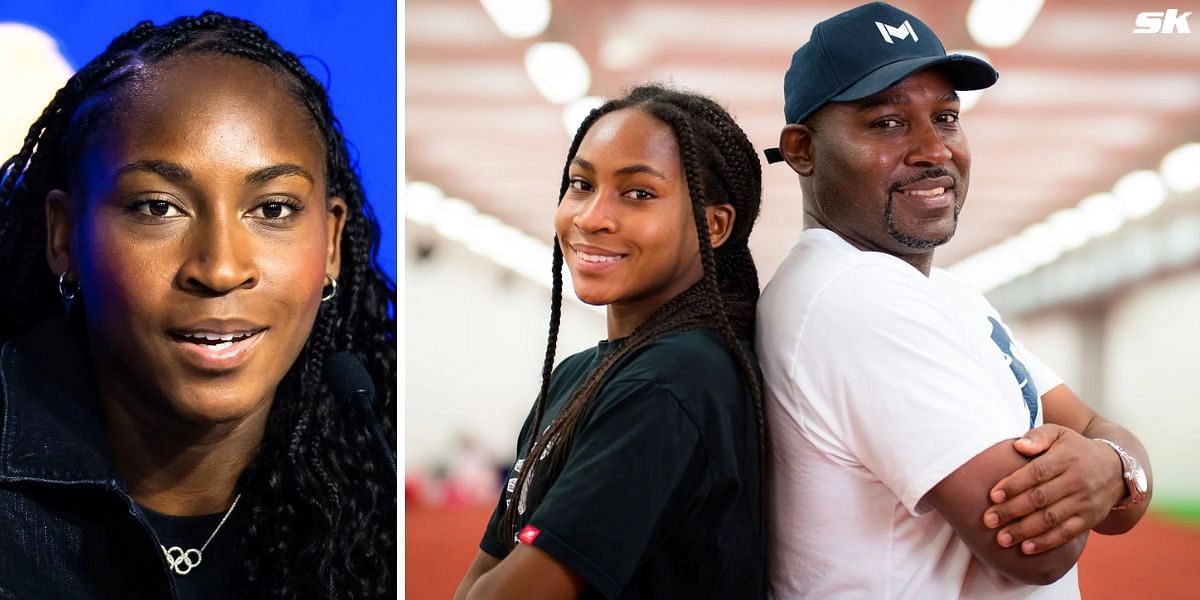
pixel 1139 193
pixel 421 200
pixel 1070 228
pixel 1041 245
pixel 519 18
pixel 1001 23
pixel 558 71
pixel 487 235
pixel 1013 259
pixel 1101 214
pixel 577 111
pixel 1181 168
pixel 454 219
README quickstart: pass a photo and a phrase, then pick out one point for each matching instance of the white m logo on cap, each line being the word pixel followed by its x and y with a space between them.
pixel 903 31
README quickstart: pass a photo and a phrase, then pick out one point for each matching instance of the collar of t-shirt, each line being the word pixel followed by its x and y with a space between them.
pixel 606 347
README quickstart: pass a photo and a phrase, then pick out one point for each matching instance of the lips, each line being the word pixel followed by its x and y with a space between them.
pixel 217 345
pixel 932 192
pixel 925 193
pixel 591 259
pixel 217 341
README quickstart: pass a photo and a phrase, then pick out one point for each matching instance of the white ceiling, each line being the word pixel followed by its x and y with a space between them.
pixel 1081 101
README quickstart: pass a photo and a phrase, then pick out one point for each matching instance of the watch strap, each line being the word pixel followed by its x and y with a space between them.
pixel 1129 466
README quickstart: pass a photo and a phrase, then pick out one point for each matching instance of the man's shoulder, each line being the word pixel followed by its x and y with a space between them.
pixel 820 258
pixel 839 286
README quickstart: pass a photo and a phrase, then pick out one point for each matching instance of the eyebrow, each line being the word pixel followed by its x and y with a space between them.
pixel 898 100
pixel 165 169
pixel 281 170
pixel 629 170
pixel 176 173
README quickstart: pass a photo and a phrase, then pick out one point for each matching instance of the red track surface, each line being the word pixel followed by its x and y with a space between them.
pixel 1156 560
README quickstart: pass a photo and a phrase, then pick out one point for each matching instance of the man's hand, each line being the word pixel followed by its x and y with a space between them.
pixel 1067 490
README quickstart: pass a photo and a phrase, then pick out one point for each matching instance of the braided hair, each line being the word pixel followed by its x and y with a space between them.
pixel 720 167
pixel 321 511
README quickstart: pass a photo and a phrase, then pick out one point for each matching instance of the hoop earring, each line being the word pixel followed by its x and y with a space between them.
pixel 67 290
pixel 332 292
pixel 68 294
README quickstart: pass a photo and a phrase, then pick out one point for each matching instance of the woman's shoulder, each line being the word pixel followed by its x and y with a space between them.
pixel 688 363
pixel 576 363
pixel 691 345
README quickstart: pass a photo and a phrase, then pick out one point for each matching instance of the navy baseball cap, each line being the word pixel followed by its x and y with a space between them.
pixel 864 51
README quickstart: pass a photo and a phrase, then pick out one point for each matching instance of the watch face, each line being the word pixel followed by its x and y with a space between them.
pixel 1139 479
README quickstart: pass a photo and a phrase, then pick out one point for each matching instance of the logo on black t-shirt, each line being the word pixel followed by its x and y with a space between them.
pixel 516 473
pixel 528 534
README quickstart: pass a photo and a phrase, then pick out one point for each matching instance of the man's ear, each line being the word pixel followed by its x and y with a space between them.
pixel 720 222
pixel 796 145
pixel 335 222
pixel 60 226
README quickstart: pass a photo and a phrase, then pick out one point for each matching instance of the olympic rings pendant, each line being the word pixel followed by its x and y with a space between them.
pixel 177 556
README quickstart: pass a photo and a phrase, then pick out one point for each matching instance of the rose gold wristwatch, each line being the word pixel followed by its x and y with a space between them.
pixel 1135 477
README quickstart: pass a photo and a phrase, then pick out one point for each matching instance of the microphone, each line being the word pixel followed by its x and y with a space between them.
pixel 351 384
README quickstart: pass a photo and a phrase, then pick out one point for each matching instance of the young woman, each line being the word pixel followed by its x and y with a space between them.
pixel 640 475
pixel 183 245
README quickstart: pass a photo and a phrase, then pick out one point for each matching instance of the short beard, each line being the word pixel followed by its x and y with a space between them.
pixel 913 242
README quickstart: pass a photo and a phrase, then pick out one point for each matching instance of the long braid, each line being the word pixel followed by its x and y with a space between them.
pixel 735 258
pixel 708 259
pixel 727 292
pixel 321 514
pixel 552 337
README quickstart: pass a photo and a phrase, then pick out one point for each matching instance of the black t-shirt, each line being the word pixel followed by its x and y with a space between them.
pixel 210 578
pixel 659 497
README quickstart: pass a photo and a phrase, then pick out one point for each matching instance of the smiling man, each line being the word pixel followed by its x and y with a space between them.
pixel 918 451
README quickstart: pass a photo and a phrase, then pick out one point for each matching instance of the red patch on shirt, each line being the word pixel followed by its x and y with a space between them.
pixel 528 534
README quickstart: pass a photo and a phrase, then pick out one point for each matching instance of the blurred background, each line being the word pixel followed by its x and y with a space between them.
pixel 1082 225
pixel 348 46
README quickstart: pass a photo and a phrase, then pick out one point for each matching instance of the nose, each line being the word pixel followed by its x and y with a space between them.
pixel 218 258
pixel 929 146
pixel 596 214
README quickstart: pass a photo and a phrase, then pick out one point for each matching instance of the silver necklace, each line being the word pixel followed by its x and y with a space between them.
pixel 181 561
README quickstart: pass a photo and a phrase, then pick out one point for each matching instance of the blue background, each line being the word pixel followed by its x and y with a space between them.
pixel 355 40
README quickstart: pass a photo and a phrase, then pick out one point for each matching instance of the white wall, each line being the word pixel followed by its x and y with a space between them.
pixel 475 340
pixel 1152 377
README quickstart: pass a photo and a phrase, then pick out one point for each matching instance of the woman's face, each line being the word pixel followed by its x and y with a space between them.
pixel 201 238
pixel 625 224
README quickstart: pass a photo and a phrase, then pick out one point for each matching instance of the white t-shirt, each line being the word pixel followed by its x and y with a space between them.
pixel 880 382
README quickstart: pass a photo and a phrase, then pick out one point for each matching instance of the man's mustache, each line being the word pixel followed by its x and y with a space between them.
pixel 923 175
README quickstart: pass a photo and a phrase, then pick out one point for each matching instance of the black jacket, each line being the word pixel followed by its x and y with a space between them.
pixel 68 529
